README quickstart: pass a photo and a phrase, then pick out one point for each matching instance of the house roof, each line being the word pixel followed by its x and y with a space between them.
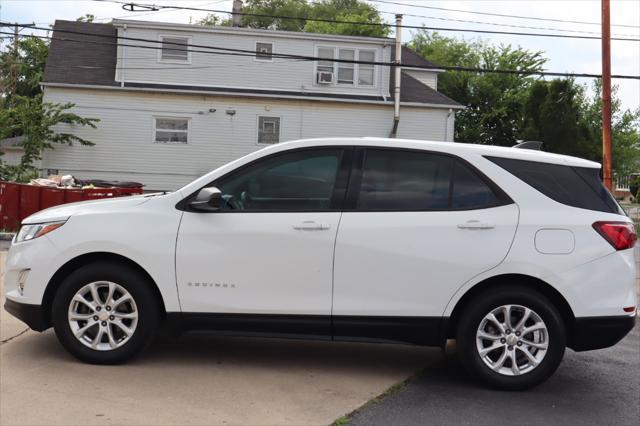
pixel 87 59
pixel 90 59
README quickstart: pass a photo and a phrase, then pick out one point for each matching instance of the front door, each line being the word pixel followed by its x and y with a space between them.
pixel 420 226
pixel 269 249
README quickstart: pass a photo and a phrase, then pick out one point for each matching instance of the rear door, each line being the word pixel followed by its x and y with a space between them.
pixel 419 225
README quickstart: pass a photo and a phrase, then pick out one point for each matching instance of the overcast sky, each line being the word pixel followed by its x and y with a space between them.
pixel 566 55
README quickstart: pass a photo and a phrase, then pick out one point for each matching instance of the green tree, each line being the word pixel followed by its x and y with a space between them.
pixel 23 112
pixel 625 129
pixel 340 10
pixel 554 115
pixel 494 102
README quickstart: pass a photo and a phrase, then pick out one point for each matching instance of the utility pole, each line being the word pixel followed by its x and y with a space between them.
pixel 397 75
pixel 606 96
pixel 236 16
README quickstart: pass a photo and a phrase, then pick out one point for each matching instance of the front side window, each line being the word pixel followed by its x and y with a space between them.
pixel 175 49
pixel 171 130
pixel 268 130
pixel 264 51
pixel 296 181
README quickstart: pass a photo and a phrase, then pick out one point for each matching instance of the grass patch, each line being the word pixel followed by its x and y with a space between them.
pixel 344 420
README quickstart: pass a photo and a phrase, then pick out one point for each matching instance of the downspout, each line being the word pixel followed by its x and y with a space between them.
pixel 397 70
pixel 124 55
pixel 446 126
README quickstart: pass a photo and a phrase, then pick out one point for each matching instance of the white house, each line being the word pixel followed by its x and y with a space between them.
pixel 172 108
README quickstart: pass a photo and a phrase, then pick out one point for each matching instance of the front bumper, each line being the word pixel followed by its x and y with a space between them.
pixel 599 332
pixel 32 315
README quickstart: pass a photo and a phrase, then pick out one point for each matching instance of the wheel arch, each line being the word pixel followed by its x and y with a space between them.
pixel 528 281
pixel 85 259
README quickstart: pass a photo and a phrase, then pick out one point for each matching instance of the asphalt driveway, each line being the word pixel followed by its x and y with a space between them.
pixel 590 388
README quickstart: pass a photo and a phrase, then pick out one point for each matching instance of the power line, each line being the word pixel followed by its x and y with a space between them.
pixel 502 25
pixel 370 24
pixel 498 14
pixel 250 53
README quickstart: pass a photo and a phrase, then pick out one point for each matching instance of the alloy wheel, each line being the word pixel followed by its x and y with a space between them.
pixel 512 340
pixel 103 315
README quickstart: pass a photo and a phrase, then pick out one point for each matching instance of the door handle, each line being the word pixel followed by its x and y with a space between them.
pixel 310 225
pixel 476 224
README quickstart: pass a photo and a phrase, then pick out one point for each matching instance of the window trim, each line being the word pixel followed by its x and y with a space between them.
pixel 355 182
pixel 338 198
pixel 258 116
pixel 356 67
pixel 263 59
pixel 174 61
pixel 154 129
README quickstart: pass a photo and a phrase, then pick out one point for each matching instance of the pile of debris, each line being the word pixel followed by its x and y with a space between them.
pixel 69 181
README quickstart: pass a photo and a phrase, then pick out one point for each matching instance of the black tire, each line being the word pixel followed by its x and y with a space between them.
pixel 132 281
pixel 472 318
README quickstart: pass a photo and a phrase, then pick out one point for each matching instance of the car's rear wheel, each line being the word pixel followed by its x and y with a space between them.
pixel 511 338
pixel 105 313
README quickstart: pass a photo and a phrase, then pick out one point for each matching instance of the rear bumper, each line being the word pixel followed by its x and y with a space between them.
pixel 32 315
pixel 600 332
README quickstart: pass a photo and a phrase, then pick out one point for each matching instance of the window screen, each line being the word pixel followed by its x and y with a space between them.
pixel 175 49
pixel 268 129
pixel 296 181
pixel 404 180
pixel 171 130
pixel 574 186
pixel 264 51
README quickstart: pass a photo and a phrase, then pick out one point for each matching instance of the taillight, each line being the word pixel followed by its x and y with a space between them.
pixel 621 235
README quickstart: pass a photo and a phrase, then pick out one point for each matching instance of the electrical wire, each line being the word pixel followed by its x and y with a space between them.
pixel 250 53
pixel 498 14
pixel 503 25
pixel 376 24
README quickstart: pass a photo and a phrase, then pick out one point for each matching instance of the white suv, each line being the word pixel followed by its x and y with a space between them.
pixel 514 253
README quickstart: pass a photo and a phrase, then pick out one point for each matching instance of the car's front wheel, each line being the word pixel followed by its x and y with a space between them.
pixel 511 338
pixel 105 313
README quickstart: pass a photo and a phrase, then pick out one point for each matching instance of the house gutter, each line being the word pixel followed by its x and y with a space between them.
pixel 242 95
pixel 397 70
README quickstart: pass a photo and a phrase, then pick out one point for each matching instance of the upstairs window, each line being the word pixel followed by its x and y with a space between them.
pixel 174 49
pixel 366 71
pixel 264 51
pixel 347 73
pixel 171 130
pixel 268 130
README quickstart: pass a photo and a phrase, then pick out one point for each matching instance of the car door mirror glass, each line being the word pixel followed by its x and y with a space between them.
pixel 207 200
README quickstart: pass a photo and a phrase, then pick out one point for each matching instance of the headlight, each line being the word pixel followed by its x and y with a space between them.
pixel 29 232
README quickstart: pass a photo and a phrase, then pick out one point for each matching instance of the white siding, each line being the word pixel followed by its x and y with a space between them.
pixel 428 78
pixel 123 139
pixel 11 156
pixel 143 66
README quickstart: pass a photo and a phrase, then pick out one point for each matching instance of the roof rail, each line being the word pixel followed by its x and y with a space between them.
pixel 534 145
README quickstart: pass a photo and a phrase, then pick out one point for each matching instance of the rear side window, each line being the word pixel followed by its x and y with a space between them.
pixel 573 186
pixel 469 190
pixel 396 180
pixel 403 180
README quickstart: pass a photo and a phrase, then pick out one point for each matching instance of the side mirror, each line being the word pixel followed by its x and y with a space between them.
pixel 207 200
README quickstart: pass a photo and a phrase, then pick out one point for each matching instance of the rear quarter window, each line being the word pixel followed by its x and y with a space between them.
pixel 573 186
